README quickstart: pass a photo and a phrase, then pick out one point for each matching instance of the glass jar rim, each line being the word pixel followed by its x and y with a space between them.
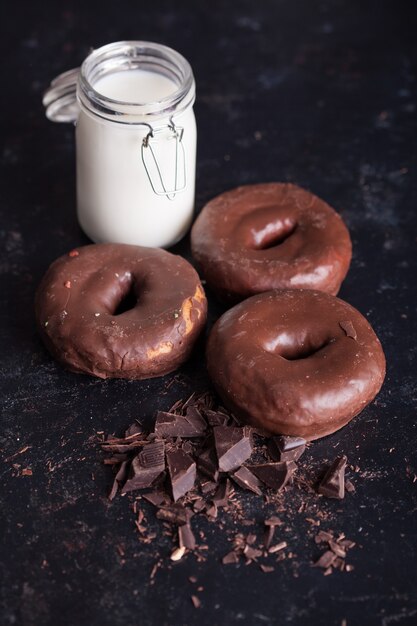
pixel 127 55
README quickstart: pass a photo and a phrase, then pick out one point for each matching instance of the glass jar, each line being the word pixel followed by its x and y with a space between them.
pixel 132 103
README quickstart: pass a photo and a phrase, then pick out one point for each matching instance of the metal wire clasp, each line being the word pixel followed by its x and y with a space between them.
pixel 157 146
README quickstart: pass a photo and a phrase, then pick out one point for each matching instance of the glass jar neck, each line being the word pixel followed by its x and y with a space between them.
pixel 135 55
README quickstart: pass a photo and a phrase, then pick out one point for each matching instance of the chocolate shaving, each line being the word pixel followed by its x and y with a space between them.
pixel 274 475
pixel 348 329
pixel 333 483
pixel 286 448
pixel 233 446
pixel 278 547
pixel 182 472
pixel 247 480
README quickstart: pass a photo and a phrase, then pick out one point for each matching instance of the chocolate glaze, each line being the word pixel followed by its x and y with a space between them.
pixel 267 236
pixel 281 361
pixel 76 310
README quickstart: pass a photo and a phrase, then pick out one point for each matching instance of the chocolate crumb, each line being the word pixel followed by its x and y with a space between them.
pixel 266 568
pixel 196 601
pixel 178 554
pixel 230 558
pixel 350 487
pixel 326 559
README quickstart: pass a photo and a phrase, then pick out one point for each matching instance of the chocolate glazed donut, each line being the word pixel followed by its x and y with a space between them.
pixel 115 310
pixel 295 362
pixel 276 235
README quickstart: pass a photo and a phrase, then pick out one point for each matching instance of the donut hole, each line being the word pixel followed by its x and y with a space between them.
pixel 128 300
pixel 266 228
pixel 274 234
pixel 304 352
pixel 294 348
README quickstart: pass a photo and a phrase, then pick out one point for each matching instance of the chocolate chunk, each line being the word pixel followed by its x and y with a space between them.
pixel 146 466
pixel 233 446
pixel 349 329
pixel 274 475
pixel 215 418
pixel 326 559
pixel 119 479
pixel 186 537
pixel 230 558
pixel 133 430
pixel 247 480
pixel 333 483
pixel 175 514
pixel 221 497
pixel 173 425
pixel 349 486
pixel 182 472
pixel 154 497
pixel 207 464
pixel 286 448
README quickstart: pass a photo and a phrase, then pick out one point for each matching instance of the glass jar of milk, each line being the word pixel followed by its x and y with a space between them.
pixel 132 103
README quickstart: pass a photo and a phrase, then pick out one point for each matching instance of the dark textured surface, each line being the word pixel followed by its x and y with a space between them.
pixel 322 94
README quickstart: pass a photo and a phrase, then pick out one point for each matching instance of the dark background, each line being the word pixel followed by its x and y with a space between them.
pixel 319 93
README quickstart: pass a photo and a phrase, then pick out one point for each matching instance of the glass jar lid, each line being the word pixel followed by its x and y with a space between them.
pixel 75 88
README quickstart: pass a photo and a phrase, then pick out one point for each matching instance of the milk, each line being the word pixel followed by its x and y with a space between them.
pixel 136 86
pixel 115 198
